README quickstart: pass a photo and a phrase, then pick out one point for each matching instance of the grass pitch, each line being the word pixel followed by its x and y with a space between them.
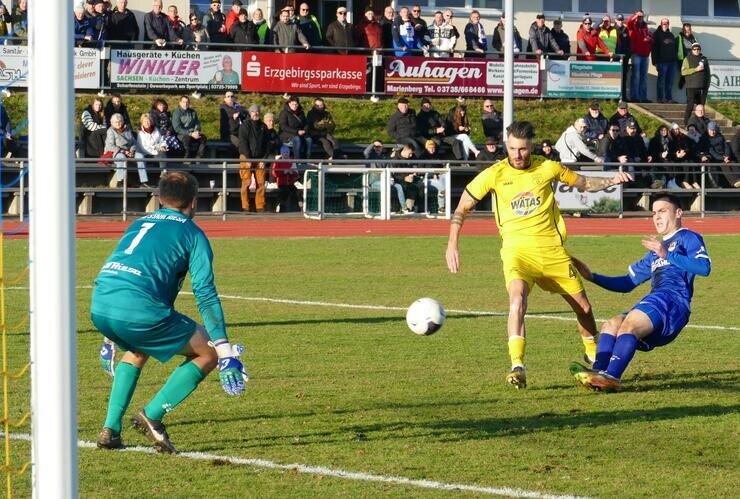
pixel 353 389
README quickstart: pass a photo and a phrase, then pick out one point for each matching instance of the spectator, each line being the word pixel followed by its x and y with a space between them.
pixel 386 23
pixel 405 39
pixel 499 35
pixel 120 145
pixel 149 144
pixel 273 139
pixel 8 142
pixel 187 127
pixel 596 124
pixel 115 105
pixel 100 24
pixel 233 16
pixel 195 33
pixel 264 33
pixel 420 25
pixel 572 146
pixel 156 27
pixel 661 150
pixel 589 42
pixel 665 55
pixel 309 26
pixel 162 119
pixel 243 31
pixel 437 181
pixel 341 33
pixel 609 146
pixel 493 122
pixel 693 135
pixel 441 37
pixel 253 145
pixel 429 124
pixel 294 128
pixel 123 25
pixel 321 127
pixel 94 130
pixel 621 117
pixel 549 152
pixel 699 119
pixel 695 69
pixel 623 49
pixel 490 152
pixel 632 145
pixel 683 153
pixel 641 43
pixel 83 30
pixel 286 34
pixel 541 41
pixel 19 18
pixel 476 41
pixel 89 9
pixel 402 126
pixel 735 144
pixel 6 18
pixel 215 23
pixel 608 34
pixel 449 16
pixel 369 32
pixel 374 151
pixel 176 28
pixel 459 127
pixel 685 39
pixel 409 181
pixel 232 115
pixel 561 38
pixel 713 148
pixel 286 175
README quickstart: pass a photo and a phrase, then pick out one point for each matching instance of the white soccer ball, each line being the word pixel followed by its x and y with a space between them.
pixel 425 316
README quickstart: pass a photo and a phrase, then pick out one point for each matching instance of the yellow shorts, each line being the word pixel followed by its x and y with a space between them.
pixel 549 267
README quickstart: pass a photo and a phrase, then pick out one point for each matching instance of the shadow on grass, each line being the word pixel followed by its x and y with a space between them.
pixel 341 320
pixel 723 380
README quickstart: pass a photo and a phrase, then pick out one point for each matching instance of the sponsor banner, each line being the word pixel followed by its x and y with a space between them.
pixel 584 79
pixel 175 69
pixel 420 75
pixel 568 198
pixel 303 73
pixel 14 66
pixel 724 82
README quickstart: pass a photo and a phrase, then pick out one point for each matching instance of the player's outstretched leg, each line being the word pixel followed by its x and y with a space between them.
pixel 155 431
pixel 517 376
pixel 582 373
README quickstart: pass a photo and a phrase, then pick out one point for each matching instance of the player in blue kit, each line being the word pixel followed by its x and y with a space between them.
pixel 658 318
pixel 133 306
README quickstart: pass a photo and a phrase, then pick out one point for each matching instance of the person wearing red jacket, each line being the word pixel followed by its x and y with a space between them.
pixel 286 174
pixel 233 15
pixel 588 40
pixel 641 42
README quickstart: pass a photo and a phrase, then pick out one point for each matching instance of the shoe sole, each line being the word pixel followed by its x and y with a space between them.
pixel 516 382
pixel 603 385
pixel 141 425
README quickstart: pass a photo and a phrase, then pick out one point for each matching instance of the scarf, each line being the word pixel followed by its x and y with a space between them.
pixel 174 22
pixel 148 129
pixel 482 36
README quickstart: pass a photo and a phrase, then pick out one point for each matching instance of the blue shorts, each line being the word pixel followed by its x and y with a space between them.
pixel 668 315
pixel 161 340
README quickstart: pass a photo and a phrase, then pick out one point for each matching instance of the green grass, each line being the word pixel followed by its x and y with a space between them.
pixel 353 389
pixel 729 108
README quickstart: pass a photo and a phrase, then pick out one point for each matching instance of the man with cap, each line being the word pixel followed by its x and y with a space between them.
pixel 341 33
pixel 429 123
pixel 402 127
pixel 695 70
pixel 623 49
pixel 596 123
pixel 232 115
pixel 253 146
pixel 641 44
pixel 621 116
pixel 288 34
pixel 561 38
pixel 215 23
pixel 541 41
pixel 309 25
pixel 589 42
pixel 608 34
pixel 632 149
pixel 490 151
pixel 233 15
pixel 713 148
pixel 665 56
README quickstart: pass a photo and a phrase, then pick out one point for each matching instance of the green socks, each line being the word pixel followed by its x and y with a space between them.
pixel 124 384
pixel 180 384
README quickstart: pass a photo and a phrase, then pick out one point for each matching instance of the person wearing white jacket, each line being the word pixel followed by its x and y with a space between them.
pixel 149 143
pixel 441 36
pixel 572 145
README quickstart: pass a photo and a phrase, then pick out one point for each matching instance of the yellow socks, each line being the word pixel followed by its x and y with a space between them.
pixel 516 350
pixel 589 344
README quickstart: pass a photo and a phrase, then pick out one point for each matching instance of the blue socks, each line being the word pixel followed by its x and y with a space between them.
pixel 604 351
pixel 624 350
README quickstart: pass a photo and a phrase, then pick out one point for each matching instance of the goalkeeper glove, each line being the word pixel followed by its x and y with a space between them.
pixel 231 371
pixel 108 357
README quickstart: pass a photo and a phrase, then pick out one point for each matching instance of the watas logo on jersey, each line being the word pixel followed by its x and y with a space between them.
pixel 525 203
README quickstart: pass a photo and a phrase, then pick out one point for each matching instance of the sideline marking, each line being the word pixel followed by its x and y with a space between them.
pixel 322 471
pixel 400 309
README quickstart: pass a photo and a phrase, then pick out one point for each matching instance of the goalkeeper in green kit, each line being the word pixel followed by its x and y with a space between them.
pixel 133 307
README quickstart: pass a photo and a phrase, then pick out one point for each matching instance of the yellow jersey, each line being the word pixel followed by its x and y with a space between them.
pixel 526 212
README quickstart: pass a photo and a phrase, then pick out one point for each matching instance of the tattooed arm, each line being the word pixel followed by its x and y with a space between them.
pixel 595 184
pixel 464 207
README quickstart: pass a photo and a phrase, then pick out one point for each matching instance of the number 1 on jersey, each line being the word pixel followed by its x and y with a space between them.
pixel 142 232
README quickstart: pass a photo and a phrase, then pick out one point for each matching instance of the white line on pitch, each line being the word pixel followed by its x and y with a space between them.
pixel 322 471
pixel 400 309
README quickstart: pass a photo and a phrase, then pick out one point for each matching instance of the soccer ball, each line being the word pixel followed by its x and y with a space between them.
pixel 425 316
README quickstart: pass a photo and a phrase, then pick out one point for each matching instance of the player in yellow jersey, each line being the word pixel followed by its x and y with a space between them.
pixel 533 233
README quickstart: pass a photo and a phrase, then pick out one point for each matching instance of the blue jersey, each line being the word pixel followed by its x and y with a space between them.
pixel 674 274
pixel 141 279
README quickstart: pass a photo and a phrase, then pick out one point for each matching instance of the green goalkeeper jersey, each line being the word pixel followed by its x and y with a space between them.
pixel 141 279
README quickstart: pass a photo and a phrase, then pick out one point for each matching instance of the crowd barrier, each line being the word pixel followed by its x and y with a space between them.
pixel 353 188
